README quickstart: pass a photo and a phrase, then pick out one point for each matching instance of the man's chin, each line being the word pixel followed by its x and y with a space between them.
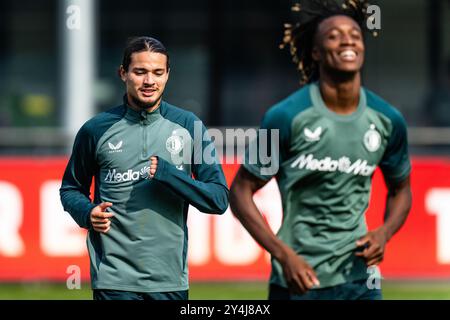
pixel 145 103
pixel 344 72
pixel 354 67
pixel 347 68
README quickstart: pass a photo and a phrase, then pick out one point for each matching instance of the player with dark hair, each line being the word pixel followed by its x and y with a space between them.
pixel 333 134
pixel 136 152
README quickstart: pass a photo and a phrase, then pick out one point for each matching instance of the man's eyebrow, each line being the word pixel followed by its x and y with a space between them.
pixel 354 28
pixel 142 69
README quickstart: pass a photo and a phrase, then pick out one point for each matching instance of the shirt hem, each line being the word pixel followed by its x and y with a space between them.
pixel 101 286
pixel 328 284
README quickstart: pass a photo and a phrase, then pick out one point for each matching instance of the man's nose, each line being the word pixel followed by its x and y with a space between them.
pixel 347 39
pixel 148 79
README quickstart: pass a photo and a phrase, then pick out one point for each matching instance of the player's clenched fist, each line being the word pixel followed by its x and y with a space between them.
pixel 100 217
pixel 153 166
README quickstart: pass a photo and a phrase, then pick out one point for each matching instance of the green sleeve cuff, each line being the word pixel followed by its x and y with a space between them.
pixel 161 170
pixel 87 214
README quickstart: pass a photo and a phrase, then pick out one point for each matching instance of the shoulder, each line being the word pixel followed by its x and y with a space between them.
pixel 178 115
pixel 101 122
pixel 282 113
pixel 375 102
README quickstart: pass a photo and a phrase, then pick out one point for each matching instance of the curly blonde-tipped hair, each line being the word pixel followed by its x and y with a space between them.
pixel 299 36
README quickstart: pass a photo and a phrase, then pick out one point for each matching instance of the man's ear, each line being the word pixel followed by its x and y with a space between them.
pixel 122 73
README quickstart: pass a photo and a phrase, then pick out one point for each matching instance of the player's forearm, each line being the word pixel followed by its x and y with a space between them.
pixel 208 196
pixel 245 210
pixel 77 205
pixel 398 205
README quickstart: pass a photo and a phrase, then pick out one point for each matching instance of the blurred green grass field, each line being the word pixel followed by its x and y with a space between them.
pixel 392 290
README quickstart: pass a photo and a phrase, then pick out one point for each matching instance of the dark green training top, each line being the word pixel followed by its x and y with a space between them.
pixel 146 248
pixel 326 163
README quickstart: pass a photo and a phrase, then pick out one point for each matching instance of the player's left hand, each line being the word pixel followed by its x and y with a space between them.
pixel 153 166
pixel 372 245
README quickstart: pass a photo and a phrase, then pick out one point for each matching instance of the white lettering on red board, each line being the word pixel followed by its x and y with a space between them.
pixel 437 202
pixel 60 235
pixel 11 216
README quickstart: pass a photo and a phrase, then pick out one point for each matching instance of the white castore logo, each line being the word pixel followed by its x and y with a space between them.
pixel 115 148
pixel 312 135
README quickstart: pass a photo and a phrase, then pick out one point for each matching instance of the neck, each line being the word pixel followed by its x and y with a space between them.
pixel 340 92
pixel 139 106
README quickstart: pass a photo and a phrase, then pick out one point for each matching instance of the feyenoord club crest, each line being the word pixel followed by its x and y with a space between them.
pixel 372 139
pixel 174 144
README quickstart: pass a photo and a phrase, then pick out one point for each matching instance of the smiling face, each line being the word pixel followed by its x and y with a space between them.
pixel 145 79
pixel 339 45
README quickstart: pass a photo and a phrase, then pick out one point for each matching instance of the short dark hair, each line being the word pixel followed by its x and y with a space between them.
pixel 142 43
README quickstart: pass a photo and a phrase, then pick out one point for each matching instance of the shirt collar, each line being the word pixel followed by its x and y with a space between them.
pixel 318 102
pixel 142 116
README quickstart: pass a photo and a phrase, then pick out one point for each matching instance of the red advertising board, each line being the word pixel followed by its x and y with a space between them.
pixel 38 240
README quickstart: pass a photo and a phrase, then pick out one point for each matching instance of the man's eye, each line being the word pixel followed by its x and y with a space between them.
pixel 332 36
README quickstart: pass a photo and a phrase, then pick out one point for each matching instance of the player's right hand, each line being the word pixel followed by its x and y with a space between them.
pixel 299 275
pixel 100 217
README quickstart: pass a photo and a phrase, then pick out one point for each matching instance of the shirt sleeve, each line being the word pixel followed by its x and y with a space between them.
pixel 77 179
pixel 208 192
pixel 396 164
